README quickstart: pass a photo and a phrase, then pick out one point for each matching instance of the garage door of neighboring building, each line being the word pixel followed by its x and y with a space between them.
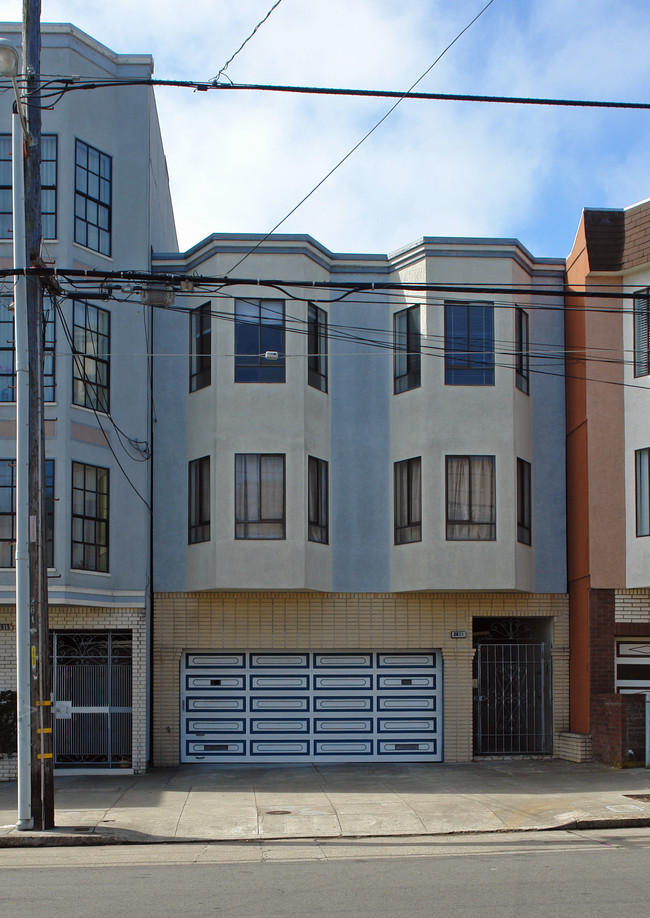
pixel 632 666
pixel 305 707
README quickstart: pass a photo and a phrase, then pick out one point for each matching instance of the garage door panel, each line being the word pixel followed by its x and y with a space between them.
pixel 355 707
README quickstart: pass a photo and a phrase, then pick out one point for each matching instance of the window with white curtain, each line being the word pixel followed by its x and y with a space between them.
pixel 259 496
pixel 408 501
pixel 642 468
pixel 471 498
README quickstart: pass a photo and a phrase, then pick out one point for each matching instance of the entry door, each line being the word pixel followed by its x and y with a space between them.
pixel 304 707
pixel 91 688
pixel 512 702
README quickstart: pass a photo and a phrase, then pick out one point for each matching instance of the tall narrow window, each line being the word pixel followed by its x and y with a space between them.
pixel 48 186
pixel 8 512
pixel 92 199
pixel 200 347
pixel 642 469
pixel 642 333
pixel 524 502
pixel 406 341
pixel 90 363
pixel 471 498
pixel 408 501
pixel 7 351
pixel 522 350
pixel 49 512
pixel 259 341
pixel 89 517
pixel 317 344
pixel 318 501
pixel 469 344
pixel 199 500
pixel 259 496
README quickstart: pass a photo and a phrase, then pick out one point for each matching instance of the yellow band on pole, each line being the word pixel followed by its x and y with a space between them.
pixel 43 703
pixel 44 730
pixel 46 755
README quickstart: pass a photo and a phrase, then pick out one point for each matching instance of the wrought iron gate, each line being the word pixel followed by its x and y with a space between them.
pixel 91 688
pixel 512 701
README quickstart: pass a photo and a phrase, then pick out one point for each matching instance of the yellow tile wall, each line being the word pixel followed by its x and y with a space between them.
pixel 632 606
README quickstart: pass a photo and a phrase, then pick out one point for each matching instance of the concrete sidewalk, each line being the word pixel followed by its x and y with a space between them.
pixel 219 803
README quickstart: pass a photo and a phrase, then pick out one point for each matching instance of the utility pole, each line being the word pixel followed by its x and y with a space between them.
pixel 42 783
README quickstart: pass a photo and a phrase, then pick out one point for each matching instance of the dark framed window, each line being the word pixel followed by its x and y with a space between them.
pixel 317 345
pixel 642 333
pixel 318 501
pixel 92 198
pixel 408 501
pixel 91 358
pixel 259 341
pixel 522 350
pixel 469 344
pixel 524 502
pixel 48 186
pixel 200 347
pixel 89 517
pixel 198 515
pixel 642 479
pixel 259 496
pixel 471 498
pixel 406 343
pixel 7 352
pixel 8 512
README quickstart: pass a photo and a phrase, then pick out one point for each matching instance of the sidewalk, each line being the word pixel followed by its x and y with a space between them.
pixel 219 803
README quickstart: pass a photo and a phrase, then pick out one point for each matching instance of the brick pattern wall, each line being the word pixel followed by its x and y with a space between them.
pixel 637 235
pixel 601 641
pixel 620 736
pixel 573 747
pixel 88 619
pixel 632 607
pixel 343 621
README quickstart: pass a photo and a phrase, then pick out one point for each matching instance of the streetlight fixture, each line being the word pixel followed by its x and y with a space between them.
pixel 9 62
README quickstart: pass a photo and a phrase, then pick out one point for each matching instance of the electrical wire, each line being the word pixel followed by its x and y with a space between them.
pixel 245 42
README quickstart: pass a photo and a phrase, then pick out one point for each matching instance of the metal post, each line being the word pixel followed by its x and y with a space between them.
pixel 25 820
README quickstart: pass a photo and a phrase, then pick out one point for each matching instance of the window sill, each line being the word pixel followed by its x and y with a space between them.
pixel 94 252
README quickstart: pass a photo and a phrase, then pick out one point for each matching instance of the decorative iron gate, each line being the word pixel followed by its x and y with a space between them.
pixel 91 688
pixel 512 701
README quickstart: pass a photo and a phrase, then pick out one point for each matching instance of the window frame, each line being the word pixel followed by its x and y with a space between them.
pixel 11 513
pixel 47 187
pixel 99 199
pixel 317 500
pixel 8 349
pixel 524 502
pixel 641 313
pixel 642 491
pixel 473 371
pixel 317 347
pixel 522 350
pixel 91 356
pixel 91 497
pixel 200 347
pixel 407 348
pixel 408 518
pixel 470 520
pixel 245 524
pixel 251 366
pixel 198 500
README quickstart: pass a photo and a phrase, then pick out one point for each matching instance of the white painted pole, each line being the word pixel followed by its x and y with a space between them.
pixel 23 672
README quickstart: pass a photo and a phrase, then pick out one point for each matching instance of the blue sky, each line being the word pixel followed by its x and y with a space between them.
pixel 239 162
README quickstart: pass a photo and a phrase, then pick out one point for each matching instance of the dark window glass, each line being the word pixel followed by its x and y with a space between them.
pixel 408 501
pixel 471 498
pixel 259 331
pixel 522 348
pixel 406 342
pixel 199 500
pixel 7 352
pixel 8 512
pixel 642 474
pixel 641 334
pixel 91 358
pixel 49 512
pixel 469 344
pixel 200 347
pixel 524 502
pixel 92 202
pixel 48 186
pixel 89 517
pixel 259 496
pixel 318 500
pixel 317 345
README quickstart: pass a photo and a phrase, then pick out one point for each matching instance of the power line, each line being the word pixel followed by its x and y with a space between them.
pixel 245 42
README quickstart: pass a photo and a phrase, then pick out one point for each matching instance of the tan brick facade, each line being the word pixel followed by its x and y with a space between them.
pixel 343 621
pixel 632 607
pixel 88 619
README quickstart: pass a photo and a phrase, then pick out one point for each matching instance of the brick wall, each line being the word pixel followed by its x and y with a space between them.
pixel 601 642
pixel 618 728
pixel 632 607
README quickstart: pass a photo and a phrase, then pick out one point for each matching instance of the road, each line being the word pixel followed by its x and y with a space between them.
pixel 518 875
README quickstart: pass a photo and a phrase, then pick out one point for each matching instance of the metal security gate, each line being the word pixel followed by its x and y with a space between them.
pixel 512 701
pixel 304 707
pixel 91 688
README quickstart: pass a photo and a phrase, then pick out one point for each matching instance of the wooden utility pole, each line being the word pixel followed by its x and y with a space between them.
pixel 41 710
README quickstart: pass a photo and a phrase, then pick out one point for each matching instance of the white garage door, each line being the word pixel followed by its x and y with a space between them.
pixel 632 666
pixel 303 707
